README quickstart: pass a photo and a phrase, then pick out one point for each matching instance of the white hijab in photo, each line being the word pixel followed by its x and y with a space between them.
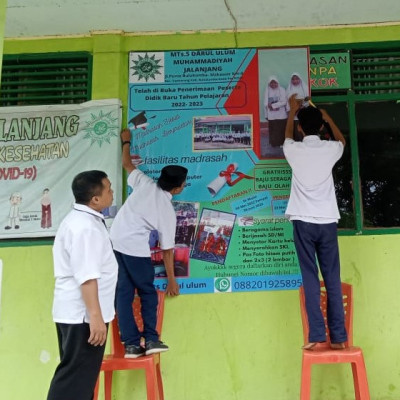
pixel 301 90
pixel 277 98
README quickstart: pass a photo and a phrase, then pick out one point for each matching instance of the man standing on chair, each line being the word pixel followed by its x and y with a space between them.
pixel 147 209
pixel 313 210
pixel 86 272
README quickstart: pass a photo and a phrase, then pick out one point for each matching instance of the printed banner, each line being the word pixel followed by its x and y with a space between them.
pixel 42 148
pixel 222 114
pixel 330 71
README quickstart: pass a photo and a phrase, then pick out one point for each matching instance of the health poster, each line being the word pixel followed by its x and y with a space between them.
pixel 221 114
pixel 42 148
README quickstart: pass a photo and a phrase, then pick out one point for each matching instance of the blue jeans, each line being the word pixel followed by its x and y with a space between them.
pixel 319 242
pixel 136 273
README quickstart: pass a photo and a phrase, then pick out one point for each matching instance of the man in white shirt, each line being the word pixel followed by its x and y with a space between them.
pixel 86 273
pixel 147 209
pixel 313 210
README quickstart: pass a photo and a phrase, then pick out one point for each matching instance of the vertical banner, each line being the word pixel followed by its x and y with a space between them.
pixel 42 148
pixel 208 111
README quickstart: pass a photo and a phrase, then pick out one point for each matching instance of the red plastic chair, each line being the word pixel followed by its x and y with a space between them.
pixel 115 361
pixel 323 354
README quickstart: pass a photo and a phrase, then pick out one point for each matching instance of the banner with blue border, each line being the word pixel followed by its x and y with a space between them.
pixel 208 111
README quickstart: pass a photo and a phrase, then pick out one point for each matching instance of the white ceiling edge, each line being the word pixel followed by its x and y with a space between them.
pixel 208 31
pixel 38 18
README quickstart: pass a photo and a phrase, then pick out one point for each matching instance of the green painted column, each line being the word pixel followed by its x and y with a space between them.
pixel 110 65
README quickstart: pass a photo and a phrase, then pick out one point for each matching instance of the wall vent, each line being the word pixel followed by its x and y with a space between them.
pixel 376 72
pixel 39 79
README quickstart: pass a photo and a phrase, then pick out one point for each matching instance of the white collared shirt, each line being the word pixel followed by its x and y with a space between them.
pixel 82 251
pixel 312 193
pixel 147 208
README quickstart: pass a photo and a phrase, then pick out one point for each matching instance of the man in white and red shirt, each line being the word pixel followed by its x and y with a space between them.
pixel 147 209
pixel 313 210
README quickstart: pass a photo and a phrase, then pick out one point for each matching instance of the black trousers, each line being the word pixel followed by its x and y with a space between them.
pixel 76 375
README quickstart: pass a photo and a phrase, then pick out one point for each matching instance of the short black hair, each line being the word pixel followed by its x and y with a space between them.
pixel 310 120
pixel 171 177
pixel 87 184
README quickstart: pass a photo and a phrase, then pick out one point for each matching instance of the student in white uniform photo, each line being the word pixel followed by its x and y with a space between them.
pixel 275 111
pixel 300 89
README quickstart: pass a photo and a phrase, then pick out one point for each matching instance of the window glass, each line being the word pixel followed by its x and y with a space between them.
pixel 342 173
pixel 378 136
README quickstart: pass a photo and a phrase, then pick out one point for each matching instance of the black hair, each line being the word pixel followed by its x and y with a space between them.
pixel 171 177
pixel 87 184
pixel 310 120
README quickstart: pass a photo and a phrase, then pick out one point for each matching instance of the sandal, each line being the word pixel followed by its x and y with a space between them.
pixel 309 346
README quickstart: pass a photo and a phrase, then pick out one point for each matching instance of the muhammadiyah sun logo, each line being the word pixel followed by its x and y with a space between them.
pixel 101 128
pixel 146 67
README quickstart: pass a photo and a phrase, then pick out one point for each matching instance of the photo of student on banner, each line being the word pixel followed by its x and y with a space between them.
pixel 222 132
pixel 282 72
pixel 275 103
pixel 213 236
pixel 181 258
pixel 186 222
pixel 297 86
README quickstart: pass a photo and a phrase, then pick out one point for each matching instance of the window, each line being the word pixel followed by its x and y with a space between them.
pixel 367 178
pixel 38 79
pixel 378 140
pixel 376 72
pixel 342 172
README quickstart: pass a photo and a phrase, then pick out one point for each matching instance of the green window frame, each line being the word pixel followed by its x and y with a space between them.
pixel 375 77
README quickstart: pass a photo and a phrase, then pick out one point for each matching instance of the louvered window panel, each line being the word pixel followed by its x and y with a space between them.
pixel 376 72
pixel 38 79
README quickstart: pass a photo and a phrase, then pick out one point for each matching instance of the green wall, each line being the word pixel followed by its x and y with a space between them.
pixel 238 346
pixel 3 6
